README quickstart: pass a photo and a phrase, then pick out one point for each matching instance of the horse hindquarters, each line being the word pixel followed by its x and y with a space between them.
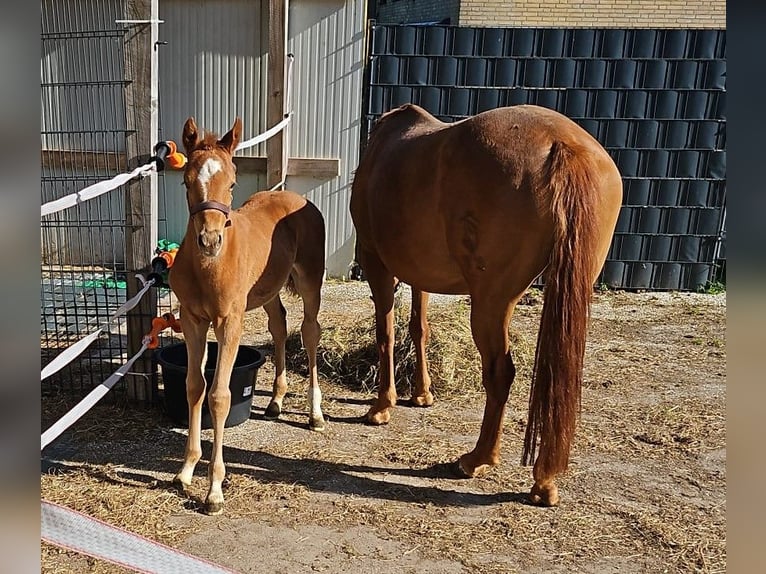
pixel 555 394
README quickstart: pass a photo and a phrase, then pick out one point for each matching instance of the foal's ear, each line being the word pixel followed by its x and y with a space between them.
pixel 231 139
pixel 190 135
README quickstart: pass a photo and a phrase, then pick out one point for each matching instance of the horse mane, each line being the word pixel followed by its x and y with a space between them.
pixel 208 142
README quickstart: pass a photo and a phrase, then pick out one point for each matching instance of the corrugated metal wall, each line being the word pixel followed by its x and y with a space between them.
pixel 214 67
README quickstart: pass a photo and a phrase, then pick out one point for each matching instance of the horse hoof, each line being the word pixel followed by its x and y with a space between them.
pixel 272 411
pixel 425 400
pixel 213 508
pixel 316 424
pixel 378 417
pixel 548 496
pixel 469 470
pixel 181 486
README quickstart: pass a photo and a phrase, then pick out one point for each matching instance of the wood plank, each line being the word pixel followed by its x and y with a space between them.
pixel 138 214
pixel 319 168
pixel 275 97
pixel 83 161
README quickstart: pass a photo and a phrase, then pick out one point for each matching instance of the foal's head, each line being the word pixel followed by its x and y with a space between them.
pixel 209 177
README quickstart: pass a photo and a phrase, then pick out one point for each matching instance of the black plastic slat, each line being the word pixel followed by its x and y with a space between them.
pixel 697 193
pixel 613 43
pixel 679 221
pixel 576 103
pixel 446 71
pixel 668 192
pixel 628 162
pixel 584 42
pixel 404 40
pixel 665 104
pixel 379 39
pixel 553 43
pixel 707 134
pixel 388 70
pixel 613 274
pixel 646 134
pixel 463 41
pixel 636 104
pixel 716 165
pixel 659 247
pixel 523 42
pixel 488 99
pixel 670 276
pixel 640 275
pixel 656 162
pixel 505 72
pixel 606 104
pixel 643 43
pixel 677 134
pixel 636 191
pixel 417 71
pixel 715 75
pixel 376 100
pixel 688 74
pixel 430 99
pixel 694 105
pixel 564 73
pixel 617 134
pixel 476 72
pixel 533 73
pixel 492 41
pixel 674 44
pixel 705 43
pixel 459 102
pixel 517 96
pixel 435 41
pixel 594 74
pixel 654 74
pixel 548 99
pixel 707 222
pixel 624 74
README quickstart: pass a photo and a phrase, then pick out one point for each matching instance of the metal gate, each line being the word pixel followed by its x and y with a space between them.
pixel 89 133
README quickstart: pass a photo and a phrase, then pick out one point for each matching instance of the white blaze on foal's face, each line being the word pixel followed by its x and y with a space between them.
pixel 211 167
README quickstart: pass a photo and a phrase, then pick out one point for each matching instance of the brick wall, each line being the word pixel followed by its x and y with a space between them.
pixel 559 13
pixel 411 11
pixel 595 13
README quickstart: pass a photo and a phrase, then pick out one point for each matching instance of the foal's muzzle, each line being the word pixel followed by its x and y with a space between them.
pixel 210 241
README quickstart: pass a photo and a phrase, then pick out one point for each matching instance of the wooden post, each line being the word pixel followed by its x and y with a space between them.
pixel 138 197
pixel 275 102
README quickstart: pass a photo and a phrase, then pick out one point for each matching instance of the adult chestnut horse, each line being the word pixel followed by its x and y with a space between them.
pixel 233 261
pixel 483 206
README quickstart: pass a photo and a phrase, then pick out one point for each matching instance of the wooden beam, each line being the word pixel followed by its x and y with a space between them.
pixel 275 101
pixel 109 162
pixel 138 200
pixel 318 168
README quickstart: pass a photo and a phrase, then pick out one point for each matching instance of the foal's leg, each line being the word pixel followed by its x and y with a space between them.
pixel 310 333
pixel 196 347
pixel 489 325
pixel 278 329
pixel 420 333
pixel 228 332
pixel 382 283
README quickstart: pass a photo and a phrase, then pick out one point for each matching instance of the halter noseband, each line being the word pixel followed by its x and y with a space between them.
pixel 222 207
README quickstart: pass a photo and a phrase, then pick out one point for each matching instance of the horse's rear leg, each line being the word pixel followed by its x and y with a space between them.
pixel 489 325
pixel 382 283
pixel 196 348
pixel 310 292
pixel 278 328
pixel 420 333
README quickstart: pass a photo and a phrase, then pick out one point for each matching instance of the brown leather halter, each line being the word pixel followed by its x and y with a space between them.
pixel 222 207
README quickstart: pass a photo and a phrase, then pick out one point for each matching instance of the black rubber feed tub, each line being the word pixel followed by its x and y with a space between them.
pixel 172 360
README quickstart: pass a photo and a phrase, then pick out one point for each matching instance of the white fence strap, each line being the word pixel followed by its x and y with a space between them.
pixel 74 351
pixel 87 403
pixel 76 531
pixel 265 135
pixel 94 190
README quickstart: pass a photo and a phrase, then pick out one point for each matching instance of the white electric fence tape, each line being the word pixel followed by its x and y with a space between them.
pixel 79 532
pixel 94 190
pixel 74 351
pixel 265 135
pixel 91 399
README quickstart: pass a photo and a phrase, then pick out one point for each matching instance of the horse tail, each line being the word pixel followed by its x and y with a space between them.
pixel 555 394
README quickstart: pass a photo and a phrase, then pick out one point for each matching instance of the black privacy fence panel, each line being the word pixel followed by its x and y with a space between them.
pixel 655 98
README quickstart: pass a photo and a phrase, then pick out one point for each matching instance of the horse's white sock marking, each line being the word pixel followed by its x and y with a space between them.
pixel 315 401
pixel 211 167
